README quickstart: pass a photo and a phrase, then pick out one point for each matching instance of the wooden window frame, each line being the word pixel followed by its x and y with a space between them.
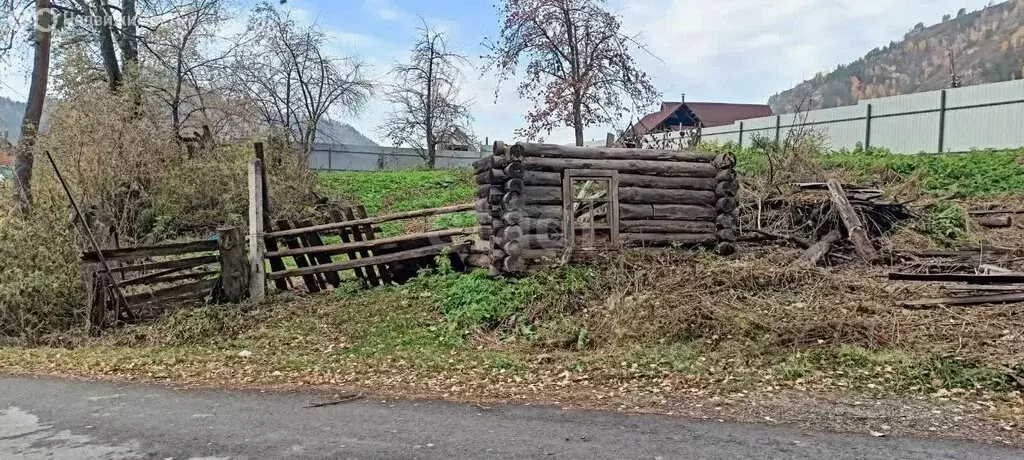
pixel 568 216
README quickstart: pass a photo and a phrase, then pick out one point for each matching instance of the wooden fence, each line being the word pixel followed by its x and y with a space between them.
pixel 373 261
pixel 152 279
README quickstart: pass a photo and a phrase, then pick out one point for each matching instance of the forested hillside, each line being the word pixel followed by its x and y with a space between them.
pixel 988 46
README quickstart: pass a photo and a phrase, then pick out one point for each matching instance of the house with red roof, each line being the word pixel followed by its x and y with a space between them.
pixel 681 116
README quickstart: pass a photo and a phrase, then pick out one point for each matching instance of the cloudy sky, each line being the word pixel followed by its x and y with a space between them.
pixel 720 51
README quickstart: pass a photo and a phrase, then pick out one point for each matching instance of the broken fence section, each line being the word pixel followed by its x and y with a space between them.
pixel 373 261
pixel 159 277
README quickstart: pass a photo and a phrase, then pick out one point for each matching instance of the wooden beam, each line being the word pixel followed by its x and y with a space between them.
pixel 667 226
pixel 375 260
pixel 234 267
pixel 651 168
pixel 257 239
pixel 967 300
pixel 141 252
pixel 374 220
pixel 167 264
pixel 532 150
pixel 970 278
pixel 854 227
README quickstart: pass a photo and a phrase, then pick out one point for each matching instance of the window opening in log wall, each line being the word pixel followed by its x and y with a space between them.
pixel 591 211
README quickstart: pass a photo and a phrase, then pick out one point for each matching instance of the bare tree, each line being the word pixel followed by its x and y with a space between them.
pixel 23 154
pixel 189 63
pixel 578 63
pixel 426 109
pixel 289 82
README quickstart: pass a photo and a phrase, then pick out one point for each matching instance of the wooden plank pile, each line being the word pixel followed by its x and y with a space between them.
pixel 970 276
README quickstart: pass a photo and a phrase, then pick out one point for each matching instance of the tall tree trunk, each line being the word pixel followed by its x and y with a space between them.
pixel 577 122
pixel 431 150
pixel 109 55
pixel 129 41
pixel 23 157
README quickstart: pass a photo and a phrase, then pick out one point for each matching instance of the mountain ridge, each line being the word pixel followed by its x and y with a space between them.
pixel 987 45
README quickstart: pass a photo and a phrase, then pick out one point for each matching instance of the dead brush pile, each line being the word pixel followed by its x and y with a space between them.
pixel 789 201
pixel 761 303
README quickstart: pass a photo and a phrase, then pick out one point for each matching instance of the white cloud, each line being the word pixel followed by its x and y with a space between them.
pixel 746 50
pixel 383 9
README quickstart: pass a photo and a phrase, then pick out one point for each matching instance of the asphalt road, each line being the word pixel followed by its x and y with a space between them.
pixel 42 418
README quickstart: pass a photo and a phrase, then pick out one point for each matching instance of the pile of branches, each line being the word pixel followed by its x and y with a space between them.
pixel 834 223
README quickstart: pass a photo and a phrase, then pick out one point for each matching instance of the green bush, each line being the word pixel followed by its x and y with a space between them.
pixel 945 222
pixel 476 300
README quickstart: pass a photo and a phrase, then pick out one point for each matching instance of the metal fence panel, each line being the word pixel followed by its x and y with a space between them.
pixel 977 117
pixel 346 157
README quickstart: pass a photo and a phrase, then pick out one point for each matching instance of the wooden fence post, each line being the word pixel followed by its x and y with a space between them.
pixel 257 247
pixel 234 267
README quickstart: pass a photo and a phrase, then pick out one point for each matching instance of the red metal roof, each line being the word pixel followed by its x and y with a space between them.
pixel 709 114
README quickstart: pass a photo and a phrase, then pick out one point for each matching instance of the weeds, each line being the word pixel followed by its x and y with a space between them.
pixel 944 222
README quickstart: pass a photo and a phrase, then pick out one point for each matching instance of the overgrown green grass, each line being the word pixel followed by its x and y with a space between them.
pixel 977 173
pixel 396 191
pixel 947 175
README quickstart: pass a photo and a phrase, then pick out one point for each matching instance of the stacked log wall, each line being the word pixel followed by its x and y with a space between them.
pixel 665 198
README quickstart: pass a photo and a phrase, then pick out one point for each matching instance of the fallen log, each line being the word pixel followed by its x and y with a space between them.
pixel 996 221
pixel 966 300
pixel 815 253
pixel 858 235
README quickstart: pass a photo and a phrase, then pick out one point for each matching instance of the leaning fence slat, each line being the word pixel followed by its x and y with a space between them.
pixel 310 279
pixel 346 237
pixel 375 260
pixel 375 220
pixel 373 277
pixel 313 242
pixel 367 230
pixel 141 252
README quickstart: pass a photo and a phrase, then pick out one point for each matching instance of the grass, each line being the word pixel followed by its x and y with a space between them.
pixel 947 175
pixel 471 333
pixel 385 192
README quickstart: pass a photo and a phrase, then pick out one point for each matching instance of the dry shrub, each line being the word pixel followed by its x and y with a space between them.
pixel 127 167
pixel 127 170
pixel 761 302
pixel 41 290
